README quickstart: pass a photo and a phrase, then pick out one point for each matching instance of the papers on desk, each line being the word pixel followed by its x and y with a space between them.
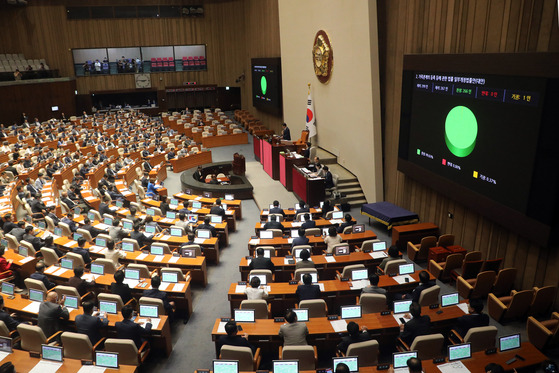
pixel 221 327
pixel 199 241
pixel 378 254
pixel 285 261
pixel 254 241
pixel 101 226
pixel 179 287
pixel 90 277
pixel 358 285
pixel 165 237
pixel 296 224
pixel 70 243
pixel 402 279
pixel 90 198
pixel 463 307
pixel 32 307
pixel 240 289
pixel 158 258
pixel 174 259
pixel 60 272
pixel 167 220
pixel 402 370
pixel 250 261
pixel 45 366
pixel 339 325
pixel 3 355
pixel 265 212
pixel 131 283
pixel 141 256
pixel 198 198
pixel 26 259
pixel 290 240
pixel 330 259
pixel 336 221
pixel 262 225
pixel 267 288
pixel 305 170
pixel 229 212
pixel 399 316
pixel 154 322
pixel 321 286
pixel 50 270
pixel 193 210
pixel 453 367
pixel 113 208
pixel 91 369
pixel 95 249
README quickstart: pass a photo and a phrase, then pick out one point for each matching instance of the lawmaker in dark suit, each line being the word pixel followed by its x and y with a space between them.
pixel 139 236
pixel 285 133
pixel 90 228
pixel 10 322
pixel 348 222
pixel 418 325
pixel 232 339
pixel 90 325
pixel 273 223
pixel 154 292
pixel 217 209
pixel 76 281
pixel 303 207
pixel 120 288
pixel 355 336
pixel 301 240
pixel 424 283
pixel 328 179
pixel 82 251
pixel 68 220
pixel 277 209
pixel 260 262
pixel 475 319
pixel 307 290
pixel 198 174
pixel 104 206
pixel 128 329
pixel 309 223
pixel 207 225
pixel 50 313
pixel 40 275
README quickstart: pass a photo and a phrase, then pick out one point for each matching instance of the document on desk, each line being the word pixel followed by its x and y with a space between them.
pixel 229 212
pixel 463 307
pixel 60 272
pixel 154 322
pixel 290 240
pixel 90 277
pixel 198 198
pixel 199 241
pixel 330 259
pixel 131 283
pixel 165 237
pixel 402 279
pixel 262 225
pixel 3 355
pixel 399 316
pixel 95 249
pixel 339 325
pixel 240 289
pixel 378 254
pixel 360 284
pixel 254 241
pixel 265 212
pixel 336 221
pixel 101 226
pixel 179 287
pixel 173 259
pixel 453 367
pixel 91 369
pixel 296 224
pixel 50 270
pixel 26 259
pixel 321 286
pixel 70 243
pixel 142 256
pixel 159 258
pixel 45 366
pixel 164 285
pixel 32 307
pixel 221 327
pixel 193 210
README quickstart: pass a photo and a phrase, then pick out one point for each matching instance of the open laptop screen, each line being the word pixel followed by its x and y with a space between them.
pixel 53 353
pixel 359 274
pixel 285 366
pixel 379 246
pixel 169 277
pixel 6 344
pixel 302 314
pixel 132 274
pixel 266 234
pixel 405 269
pixel 106 359
pixel 458 352
pixel 400 359
pixel 449 299
pixel 8 288
pixel 203 233
pixel 225 366
pixel 342 250
pixel 350 312
pixel 263 279
pixel 351 362
pixel 147 310
pixel 244 315
pixel 108 307
pixel 402 306
pixel 36 295
pixel 509 342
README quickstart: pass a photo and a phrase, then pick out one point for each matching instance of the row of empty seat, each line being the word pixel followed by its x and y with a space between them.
pixel 11 62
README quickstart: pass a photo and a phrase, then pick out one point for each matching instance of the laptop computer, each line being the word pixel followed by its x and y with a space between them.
pixel 243 315
pixel 169 277
pixel 171 215
pixel 6 344
pixel 36 295
pixel 358 228
pixel 173 202
pixel 229 197
pixel 225 366
pixel 359 274
pixel 196 205
pixel 97 269
pixel 285 366
pixel 148 310
pixel 108 307
pixel 509 342
pixel 188 253
pixel 150 230
pixel 71 301
pixel 23 251
pixel 337 215
pixel 216 219
pixel 207 194
pixel 379 246
pixel 266 235
pixel 203 233
pixel 108 221
pixel 459 352
pixel 131 274
pixel 156 250
pixel 406 269
pixel 176 232
pixel 53 353
pixel 77 236
pixel 128 246
pixel 150 211
pixel 341 250
pixel 66 263
pixel 91 216
pixel 400 359
pixel 350 312
pixel 8 288
pixel 294 233
pixel 261 277
pixel 352 363
pixel 302 313
pixel 100 241
pixel 449 299
pixel 127 225
pixel 402 306
pixel 57 231
pixel 192 218
pixel 106 359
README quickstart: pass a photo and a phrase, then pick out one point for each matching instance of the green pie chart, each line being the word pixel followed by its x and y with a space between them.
pixel 460 131
pixel 264 85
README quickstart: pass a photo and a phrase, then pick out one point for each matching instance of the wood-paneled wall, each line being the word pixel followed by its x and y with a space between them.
pixel 233 30
pixel 462 26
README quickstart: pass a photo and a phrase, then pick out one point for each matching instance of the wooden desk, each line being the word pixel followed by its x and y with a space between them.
pixel 128 173
pixel 326 270
pixel 234 204
pixel 283 245
pixel 191 161
pixel 290 214
pixel 336 293
pixel 439 253
pixel 158 172
pixel 96 174
pixel 401 234
pixel 286 164
pixel 289 225
pixel 24 363
pixel 161 336
pixel 24 265
pixel 308 189
pixel 225 140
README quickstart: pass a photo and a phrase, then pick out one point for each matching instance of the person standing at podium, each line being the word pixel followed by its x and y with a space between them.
pixel 285 133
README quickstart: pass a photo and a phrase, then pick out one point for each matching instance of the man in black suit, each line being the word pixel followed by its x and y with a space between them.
pixel 418 325
pixel 11 168
pixel 303 207
pixel 207 225
pixel 277 209
pixel 77 282
pixel 8 223
pixel 328 178
pixel 198 174
pixel 355 335
pixel 154 292
pixel 301 240
pixel 104 206
pixel 164 205
pixel 217 209
pixel 424 283
pixel 475 319
pixel 309 223
pixel 273 223
pixel 128 329
pixel 52 215
pixel 37 206
pixel 40 275
pixel 307 290
pixel 140 237
pixel 347 222
pixel 90 324
pixel 64 198
pixel 50 313
pixel 68 219
pixel 147 166
pixel 232 339
pixel 120 288
pixel 285 133
pixel 82 250
pixel 90 228
pixel 260 262
pixel 10 322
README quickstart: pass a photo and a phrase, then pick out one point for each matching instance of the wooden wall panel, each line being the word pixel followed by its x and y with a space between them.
pixel 462 26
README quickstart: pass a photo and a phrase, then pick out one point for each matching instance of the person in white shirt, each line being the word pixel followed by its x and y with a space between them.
pixel 254 291
pixel 113 254
pixel 332 239
pixel 5 147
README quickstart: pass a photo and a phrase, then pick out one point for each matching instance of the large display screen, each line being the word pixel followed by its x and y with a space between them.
pixel 266 85
pixel 480 135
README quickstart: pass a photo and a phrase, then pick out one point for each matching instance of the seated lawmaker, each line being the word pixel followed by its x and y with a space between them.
pixel 128 329
pixel 304 255
pixel 154 292
pixel 355 335
pixel 273 223
pixel 418 325
pixel 309 223
pixel 261 262
pixel 424 283
pixel 307 290
pixel 277 209
pixel 301 240
pixel 348 221
pixel 232 339
pixel 474 319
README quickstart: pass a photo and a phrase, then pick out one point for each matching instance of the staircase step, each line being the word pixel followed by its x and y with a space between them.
pixel 349 191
